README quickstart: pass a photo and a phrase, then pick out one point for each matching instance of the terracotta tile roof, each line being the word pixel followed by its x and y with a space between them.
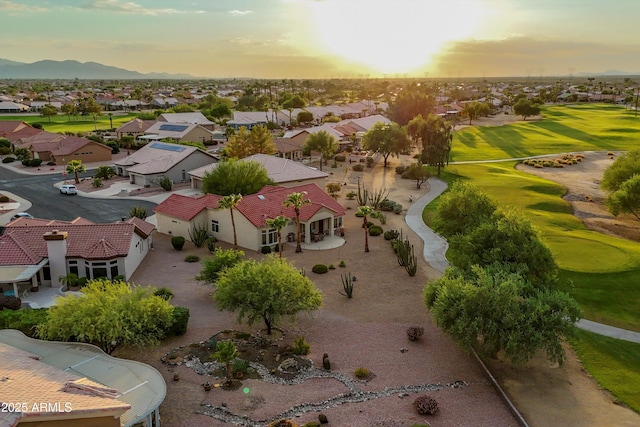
pixel 184 207
pixel 267 203
pixel 64 146
pixel 135 126
pixel 26 379
pixel 26 246
pixel 13 130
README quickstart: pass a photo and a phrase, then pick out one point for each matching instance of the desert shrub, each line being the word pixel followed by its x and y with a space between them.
pixel 240 365
pixel 400 169
pixel 301 347
pixel 397 208
pixel 4 199
pixel 265 250
pixel 320 269
pixel 369 162
pixel 342 263
pixel 332 267
pixel 198 235
pixel 96 182
pixel 25 162
pixel 177 242
pixel 211 244
pixel 4 151
pixel 138 212
pixel 415 332
pixel 391 234
pixel 359 214
pixel 322 418
pixel 538 166
pixel 179 321
pixel 164 293
pixel 340 158
pixel 9 302
pixel 35 162
pixel 426 405
pixel 192 258
pixel 283 423
pixel 104 172
pixel 547 163
pixel 8 159
pixel 375 230
pixel 368 225
pixel 115 148
pixel 165 183
pixel 351 195
pixel 358 167
pixel 361 372
pixel 311 424
pixel 23 320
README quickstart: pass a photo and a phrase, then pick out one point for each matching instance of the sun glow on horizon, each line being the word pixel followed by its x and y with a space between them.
pixel 392 37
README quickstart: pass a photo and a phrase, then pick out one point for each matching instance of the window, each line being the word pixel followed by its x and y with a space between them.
pixel 269 237
pixel 215 226
pixel 73 267
pixel 337 222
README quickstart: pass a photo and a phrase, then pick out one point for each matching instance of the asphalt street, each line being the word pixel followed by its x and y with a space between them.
pixel 47 202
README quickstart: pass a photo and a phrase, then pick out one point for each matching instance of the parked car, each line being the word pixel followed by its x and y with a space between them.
pixel 68 189
pixel 21 215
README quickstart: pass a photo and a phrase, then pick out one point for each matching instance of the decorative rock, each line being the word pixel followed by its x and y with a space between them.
pixel 277 357
pixel 326 364
pixel 404 350
pixel 288 364
pixel 323 419
pixel 176 377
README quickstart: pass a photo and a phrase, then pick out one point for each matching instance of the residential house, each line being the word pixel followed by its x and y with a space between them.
pixel 12 107
pixel 135 127
pixel 36 252
pixel 291 147
pixel 164 102
pixel 179 132
pixel 38 105
pixel 75 385
pixel 283 172
pixel 158 159
pixel 13 130
pixel 196 118
pixel 250 119
pixel 61 149
pixel 322 216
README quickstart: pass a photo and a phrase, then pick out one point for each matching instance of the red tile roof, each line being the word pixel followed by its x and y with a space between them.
pixel 257 208
pixel 64 146
pixel 14 130
pixel 23 244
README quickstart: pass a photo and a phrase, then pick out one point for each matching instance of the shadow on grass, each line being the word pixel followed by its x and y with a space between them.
pixel 566 131
pixel 507 139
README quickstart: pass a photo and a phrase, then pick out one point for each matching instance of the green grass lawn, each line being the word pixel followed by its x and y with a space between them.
pixel 587 127
pixel 615 365
pixel 61 123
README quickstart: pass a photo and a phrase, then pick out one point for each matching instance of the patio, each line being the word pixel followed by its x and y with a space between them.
pixel 45 297
pixel 328 242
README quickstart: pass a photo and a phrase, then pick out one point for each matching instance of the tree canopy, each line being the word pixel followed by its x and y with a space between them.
pixel 322 142
pixel 418 172
pixel 386 139
pixel 76 167
pixel 245 143
pixel 623 168
pixel 626 198
pixel 48 110
pixel 235 177
pixel 461 209
pixel 495 308
pixel 213 265
pixel 526 108
pixel 410 103
pixel 266 290
pixel 109 314
pixel 434 134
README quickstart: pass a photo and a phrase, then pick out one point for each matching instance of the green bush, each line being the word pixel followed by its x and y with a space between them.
pixel 362 373
pixel 164 293
pixel 8 159
pixel 240 365
pixel 179 321
pixel 400 169
pixel 165 183
pixel 211 244
pixel 115 148
pixel 198 235
pixel 391 234
pixel 138 212
pixel 4 199
pixel 358 167
pixel 320 269
pixel 301 347
pixel 177 242
pixel 351 195
pixel 265 250
pixel 104 172
pixel 375 230
pixel 332 267
pixel 35 162
pixel 192 258
pixel 96 182
pixel 311 424
pixel 24 320
pixel 342 263
pixel 340 158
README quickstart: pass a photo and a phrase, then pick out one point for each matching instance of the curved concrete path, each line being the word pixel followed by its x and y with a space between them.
pixel 435 247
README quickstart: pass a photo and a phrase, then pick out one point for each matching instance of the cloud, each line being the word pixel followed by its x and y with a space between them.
pixel 240 12
pixel 131 8
pixel 16 8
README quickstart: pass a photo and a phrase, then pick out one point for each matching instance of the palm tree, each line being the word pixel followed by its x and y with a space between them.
pixel 297 200
pixel 75 167
pixel 278 223
pixel 226 352
pixel 366 211
pixel 230 202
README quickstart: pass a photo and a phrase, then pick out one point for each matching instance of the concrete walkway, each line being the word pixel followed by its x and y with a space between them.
pixel 435 247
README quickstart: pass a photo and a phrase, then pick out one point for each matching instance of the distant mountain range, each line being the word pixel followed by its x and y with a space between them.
pixel 48 69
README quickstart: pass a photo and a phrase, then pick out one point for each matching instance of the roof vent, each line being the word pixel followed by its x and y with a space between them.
pixel 261 197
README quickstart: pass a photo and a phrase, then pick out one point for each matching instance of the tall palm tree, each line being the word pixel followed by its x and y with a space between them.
pixel 230 202
pixel 366 211
pixel 75 167
pixel 297 200
pixel 278 223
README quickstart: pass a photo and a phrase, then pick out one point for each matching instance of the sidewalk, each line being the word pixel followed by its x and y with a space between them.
pixel 435 248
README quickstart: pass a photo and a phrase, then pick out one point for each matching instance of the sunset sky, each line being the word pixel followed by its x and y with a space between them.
pixel 329 38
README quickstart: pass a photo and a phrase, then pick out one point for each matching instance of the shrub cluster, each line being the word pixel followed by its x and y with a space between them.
pixel 164 293
pixel 177 242
pixel 179 321
pixel 560 162
pixel 31 162
pixel 8 159
pixel 23 320
pixel 340 158
pixel 375 230
pixel 265 250
pixel 415 332
pixel 426 405
pixel 358 167
pixel 362 373
pixel 301 347
pixel 320 269
pixel 191 258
